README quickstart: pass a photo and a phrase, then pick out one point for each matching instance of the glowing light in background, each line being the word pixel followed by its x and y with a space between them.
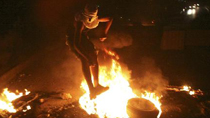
pixel 191 11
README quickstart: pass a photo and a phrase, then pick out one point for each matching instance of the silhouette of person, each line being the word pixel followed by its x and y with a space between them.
pixel 84 49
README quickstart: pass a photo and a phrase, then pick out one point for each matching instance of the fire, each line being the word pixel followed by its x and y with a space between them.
pixel 27 108
pixel 191 91
pixel 154 99
pixel 6 99
pixel 111 53
pixel 113 103
pixel 187 89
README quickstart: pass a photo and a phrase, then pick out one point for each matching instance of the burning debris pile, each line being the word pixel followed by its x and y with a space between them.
pixel 185 102
pixel 23 105
pixel 120 101
pixel 7 101
pixel 174 104
pixel 113 103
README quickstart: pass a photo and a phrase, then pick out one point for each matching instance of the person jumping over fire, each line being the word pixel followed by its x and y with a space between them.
pixel 84 49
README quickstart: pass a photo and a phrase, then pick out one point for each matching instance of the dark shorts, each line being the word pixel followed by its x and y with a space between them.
pixel 87 48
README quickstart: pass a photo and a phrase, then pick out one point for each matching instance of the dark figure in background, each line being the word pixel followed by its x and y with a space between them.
pixel 84 48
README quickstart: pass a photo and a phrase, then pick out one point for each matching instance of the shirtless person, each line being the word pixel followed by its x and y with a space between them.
pixel 84 48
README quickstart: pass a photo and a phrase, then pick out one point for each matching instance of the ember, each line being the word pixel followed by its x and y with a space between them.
pixel 187 89
pixel 113 103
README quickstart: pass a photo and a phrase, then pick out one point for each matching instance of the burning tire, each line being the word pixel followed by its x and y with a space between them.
pixel 141 108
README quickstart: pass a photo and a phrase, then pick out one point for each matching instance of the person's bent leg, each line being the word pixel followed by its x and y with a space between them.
pixel 94 70
pixel 87 74
pixel 99 89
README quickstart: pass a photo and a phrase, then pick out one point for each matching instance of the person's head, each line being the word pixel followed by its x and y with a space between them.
pixel 91 10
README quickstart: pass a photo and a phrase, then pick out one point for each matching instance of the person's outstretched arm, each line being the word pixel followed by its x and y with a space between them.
pixel 109 21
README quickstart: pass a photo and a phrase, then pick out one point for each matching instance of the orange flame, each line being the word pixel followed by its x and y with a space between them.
pixel 6 99
pixel 154 99
pixel 187 89
pixel 191 91
pixel 113 103
pixel 111 53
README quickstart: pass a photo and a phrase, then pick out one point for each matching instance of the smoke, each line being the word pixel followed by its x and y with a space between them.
pixel 115 39
pixel 55 69
pixel 118 39
pixel 150 78
pixel 64 70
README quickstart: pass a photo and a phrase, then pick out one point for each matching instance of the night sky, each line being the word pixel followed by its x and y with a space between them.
pixel 12 11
